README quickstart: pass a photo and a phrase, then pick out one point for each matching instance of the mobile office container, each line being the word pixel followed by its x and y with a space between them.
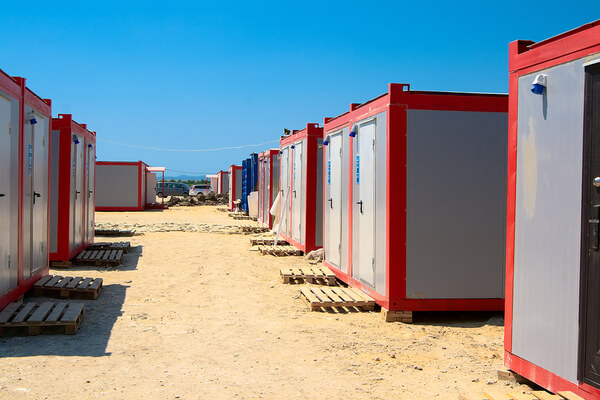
pixel 414 199
pixel 223 182
pixel 268 185
pixel 72 194
pixel 301 186
pixel 214 182
pixel 124 186
pixel 552 252
pixel 24 173
pixel 249 179
pixel 235 184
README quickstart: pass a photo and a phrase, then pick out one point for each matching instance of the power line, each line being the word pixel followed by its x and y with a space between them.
pixel 184 150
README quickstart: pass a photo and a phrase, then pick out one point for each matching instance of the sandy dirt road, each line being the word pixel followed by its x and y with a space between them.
pixel 196 315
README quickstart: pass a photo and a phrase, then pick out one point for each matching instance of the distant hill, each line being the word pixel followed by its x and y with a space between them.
pixel 184 177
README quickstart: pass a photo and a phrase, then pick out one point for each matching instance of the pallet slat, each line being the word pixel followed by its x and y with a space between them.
pixel 42 281
pixel 24 312
pixel 41 313
pixel 570 396
pixel 318 297
pixel 57 312
pixel 74 282
pixel 8 312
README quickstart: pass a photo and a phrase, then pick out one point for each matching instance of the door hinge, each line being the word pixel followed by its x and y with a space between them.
pixel 373 143
pixel 8 262
pixel 9 131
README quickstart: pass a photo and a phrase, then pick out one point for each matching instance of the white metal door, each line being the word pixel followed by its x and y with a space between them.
pixel 5 194
pixel 91 197
pixel 297 193
pixel 364 204
pixel 39 180
pixel 285 191
pixel 76 192
pixel 333 205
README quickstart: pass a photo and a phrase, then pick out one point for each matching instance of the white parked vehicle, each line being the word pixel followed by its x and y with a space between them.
pixel 203 188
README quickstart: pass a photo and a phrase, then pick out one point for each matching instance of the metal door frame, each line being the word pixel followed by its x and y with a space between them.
pixel 341 179
pixel 355 196
pixel 588 142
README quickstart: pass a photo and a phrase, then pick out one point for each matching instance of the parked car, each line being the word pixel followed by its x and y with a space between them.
pixel 202 188
pixel 172 189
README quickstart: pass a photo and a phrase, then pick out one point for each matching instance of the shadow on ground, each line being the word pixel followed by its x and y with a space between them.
pixel 92 338
pixel 462 319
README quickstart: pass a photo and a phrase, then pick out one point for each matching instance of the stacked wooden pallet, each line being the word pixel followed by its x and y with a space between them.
pixel 244 217
pixel 322 297
pixel 266 241
pixel 253 229
pixel 280 250
pixel 113 232
pixel 68 287
pixel 99 257
pixel 34 318
pixel 320 275
pixel 125 246
pixel 534 395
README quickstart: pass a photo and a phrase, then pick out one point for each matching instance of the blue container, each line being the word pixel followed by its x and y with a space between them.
pixel 249 179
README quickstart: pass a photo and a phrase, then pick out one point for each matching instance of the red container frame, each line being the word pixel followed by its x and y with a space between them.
pixel 261 157
pixel 142 168
pixel 312 133
pixel 526 57
pixel 16 87
pixel 67 127
pixel 396 102
pixel 232 182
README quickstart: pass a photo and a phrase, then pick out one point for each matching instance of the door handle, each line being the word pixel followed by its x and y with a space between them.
pixel 2 195
pixel 361 206
pixel 294 194
pixel 76 193
pixel 36 194
pixel 595 233
pixel 330 203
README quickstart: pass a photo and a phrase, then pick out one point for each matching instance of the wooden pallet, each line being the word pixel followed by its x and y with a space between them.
pixel 61 264
pixel 253 229
pixel 533 395
pixel 99 257
pixel 125 246
pixel 244 217
pixel 267 241
pixel 319 297
pixel 47 317
pixel 223 209
pixel 68 287
pixel 237 214
pixel 320 275
pixel 280 250
pixel 113 232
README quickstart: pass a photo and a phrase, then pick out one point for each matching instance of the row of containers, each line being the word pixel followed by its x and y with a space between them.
pixel 46 187
pixel 462 202
pixel 51 185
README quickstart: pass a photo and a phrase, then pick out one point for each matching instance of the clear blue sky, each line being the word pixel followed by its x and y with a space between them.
pixel 200 74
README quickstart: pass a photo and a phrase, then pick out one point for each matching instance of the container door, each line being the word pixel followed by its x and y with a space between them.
pixel 230 185
pixel 77 192
pixel 589 370
pixel 285 191
pixel 333 203
pixel 363 214
pixel 267 191
pixel 297 193
pixel 91 197
pixel 35 198
pixel 5 194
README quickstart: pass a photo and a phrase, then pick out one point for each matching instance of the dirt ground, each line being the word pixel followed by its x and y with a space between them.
pixel 196 315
